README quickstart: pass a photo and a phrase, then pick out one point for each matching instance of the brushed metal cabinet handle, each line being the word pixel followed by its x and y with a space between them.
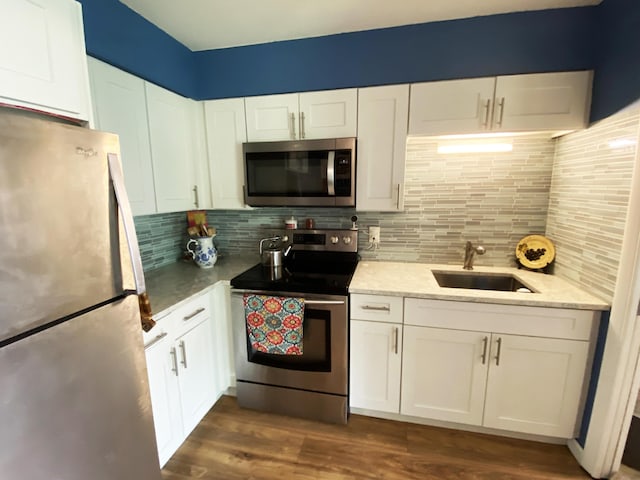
pixel 155 340
pixel 396 334
pixel 293 126
pixel 487 109
pixel 499 342
pixel 195 194
pixel 378 308
pixel 191 315
pixel 485 343
pixel 302 134
pixel 500 104
pixel 174 360
pixel 183 349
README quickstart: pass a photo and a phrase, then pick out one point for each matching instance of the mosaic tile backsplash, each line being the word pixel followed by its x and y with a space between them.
pixel 492 199
pixel 589 198
pixel 574 189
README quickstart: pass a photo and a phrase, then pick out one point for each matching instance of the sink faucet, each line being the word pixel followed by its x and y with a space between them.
pixel 469 250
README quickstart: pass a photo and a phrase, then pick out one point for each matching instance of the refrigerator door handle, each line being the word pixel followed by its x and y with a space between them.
pixel 117 177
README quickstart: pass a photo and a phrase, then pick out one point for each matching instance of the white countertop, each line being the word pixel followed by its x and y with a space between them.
pixel 416 280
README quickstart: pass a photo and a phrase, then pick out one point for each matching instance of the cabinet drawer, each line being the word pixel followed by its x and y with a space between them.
pixel 376 308
pixel 190 314
pixel 520 320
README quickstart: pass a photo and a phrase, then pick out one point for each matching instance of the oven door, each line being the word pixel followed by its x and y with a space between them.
pixel 322 367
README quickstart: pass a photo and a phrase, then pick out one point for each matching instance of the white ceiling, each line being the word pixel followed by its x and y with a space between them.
pixel 210 24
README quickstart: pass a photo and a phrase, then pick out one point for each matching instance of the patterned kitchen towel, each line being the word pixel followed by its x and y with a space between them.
pixel 274 324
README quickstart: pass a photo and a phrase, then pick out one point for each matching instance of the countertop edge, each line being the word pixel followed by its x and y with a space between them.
pixel 416 280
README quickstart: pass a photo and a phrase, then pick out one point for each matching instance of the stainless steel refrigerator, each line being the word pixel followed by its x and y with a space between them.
pixel 74 395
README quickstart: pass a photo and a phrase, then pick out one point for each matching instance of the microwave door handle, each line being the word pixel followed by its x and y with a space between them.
pixel 331 173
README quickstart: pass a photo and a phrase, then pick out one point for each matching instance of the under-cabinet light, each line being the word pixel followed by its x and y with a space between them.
pixel 475 148
pixel 622 143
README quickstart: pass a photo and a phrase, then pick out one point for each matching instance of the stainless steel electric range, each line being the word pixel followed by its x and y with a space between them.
pixel 314 384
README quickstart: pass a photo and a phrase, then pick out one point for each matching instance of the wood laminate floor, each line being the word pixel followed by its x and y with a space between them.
pixel 234 443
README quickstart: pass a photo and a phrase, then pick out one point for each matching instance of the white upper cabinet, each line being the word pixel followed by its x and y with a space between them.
pixel 226 132
pixel 42 59
pixel 272 117
pixel 174 124
pixel 330 114
pixel 382 136
pixel 456 106
pixel 120 107
pixel 545 101
pixel 310 115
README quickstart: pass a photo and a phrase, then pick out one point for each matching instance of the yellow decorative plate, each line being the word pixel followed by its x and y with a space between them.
pixel 535 251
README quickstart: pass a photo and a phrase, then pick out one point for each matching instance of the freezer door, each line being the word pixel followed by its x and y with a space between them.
pixel 59 248
pixel 75 401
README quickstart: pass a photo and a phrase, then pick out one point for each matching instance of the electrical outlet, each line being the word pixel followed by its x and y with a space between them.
pixel 374 235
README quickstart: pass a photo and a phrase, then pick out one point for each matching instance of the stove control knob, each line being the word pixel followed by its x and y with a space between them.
pixel 346 240
pixel 334 240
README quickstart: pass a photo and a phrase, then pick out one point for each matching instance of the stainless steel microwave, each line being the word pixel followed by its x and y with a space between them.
pixel 313 173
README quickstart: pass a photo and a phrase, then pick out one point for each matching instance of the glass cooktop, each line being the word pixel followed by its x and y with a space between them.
pixel 328 273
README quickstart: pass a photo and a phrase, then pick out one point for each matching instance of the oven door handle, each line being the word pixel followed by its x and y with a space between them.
pixel 281 294
pixel 324 302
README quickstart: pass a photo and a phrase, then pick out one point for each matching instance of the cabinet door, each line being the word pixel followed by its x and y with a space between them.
pixel 451 107
pixel 120 107
pixel 223 337
pixel 382 136
pixel 544 101
pixel 328 114
pixel 535 384
pixel 375 366
pixel 444 373
pixel 42 59
pixel 172 149
pixel 165 397
pixel 226 132
pixel 272 117
pixel 196 374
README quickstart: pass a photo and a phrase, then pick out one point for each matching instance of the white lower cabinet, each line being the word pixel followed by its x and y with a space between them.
pixel 444 374
pixel 223 337
pixel 182 375
pixel 466 363
pixel 165 395
pixel 376 352
pixel 375 365
pixel 535 384
pixel 196 377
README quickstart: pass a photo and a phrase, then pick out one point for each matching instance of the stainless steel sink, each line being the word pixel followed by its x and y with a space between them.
pixel 480 281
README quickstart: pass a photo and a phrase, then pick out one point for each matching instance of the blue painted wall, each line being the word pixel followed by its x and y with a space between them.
pixel 617 42
pixel 543 41
pixel 117 35
pixel 605 38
